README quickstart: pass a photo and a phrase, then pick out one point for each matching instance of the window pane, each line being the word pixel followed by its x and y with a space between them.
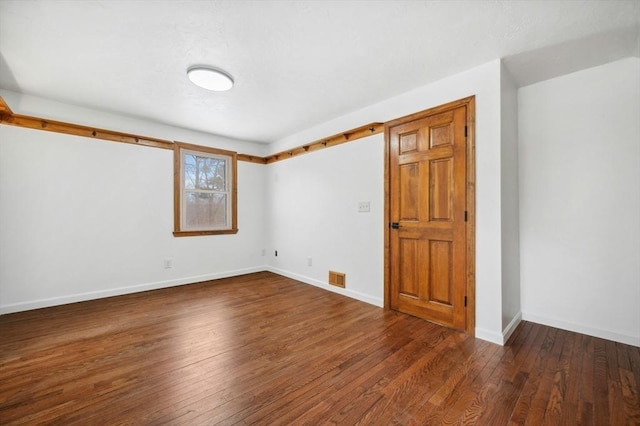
pixel 205 190
pixel 219 175
pixel 205 210
pixel 204 173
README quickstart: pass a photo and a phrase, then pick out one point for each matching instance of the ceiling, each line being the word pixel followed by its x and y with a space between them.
pixel 295 63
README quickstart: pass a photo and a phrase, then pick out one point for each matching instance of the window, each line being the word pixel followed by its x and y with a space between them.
pixel 204 191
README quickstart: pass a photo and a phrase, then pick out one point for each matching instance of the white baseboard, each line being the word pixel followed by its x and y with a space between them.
pixel 511 327
pixel 580 328
pixel 345 292
pixel 496 337
pixel 80 297
pixel 490 336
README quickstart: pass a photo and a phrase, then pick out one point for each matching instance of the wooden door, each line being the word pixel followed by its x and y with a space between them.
pixel 427 257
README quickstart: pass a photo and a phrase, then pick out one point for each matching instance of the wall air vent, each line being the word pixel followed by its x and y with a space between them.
pixel 338 279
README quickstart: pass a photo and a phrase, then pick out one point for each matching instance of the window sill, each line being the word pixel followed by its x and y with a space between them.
pixel 200 233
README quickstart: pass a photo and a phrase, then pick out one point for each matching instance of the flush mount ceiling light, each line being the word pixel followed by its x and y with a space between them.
pixel 210 78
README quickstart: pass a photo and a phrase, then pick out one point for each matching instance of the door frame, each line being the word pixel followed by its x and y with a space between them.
pixel 469 103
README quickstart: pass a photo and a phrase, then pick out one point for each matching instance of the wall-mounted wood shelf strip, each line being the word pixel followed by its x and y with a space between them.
pixel 4 108
pixel 7 117
pixel 252 159
pixel 340 138
pixel 79 130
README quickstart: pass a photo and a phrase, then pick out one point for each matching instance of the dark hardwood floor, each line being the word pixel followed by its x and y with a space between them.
pixel 264 349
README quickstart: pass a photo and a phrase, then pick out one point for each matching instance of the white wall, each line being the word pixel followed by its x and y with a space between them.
pixel 83 218
pixel 313 212
pixel 482 81
pixel 511 314
pixel 580 201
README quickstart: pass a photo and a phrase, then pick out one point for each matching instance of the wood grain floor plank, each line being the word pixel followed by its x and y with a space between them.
pixel 374 352
pixel 267 350
pixel 586 394
pixel 542 398
pixel 465 405
pixel 266 364
pixel 601 411
pixel 558 395
pixel 426 407
pixel 629 385
pixel 573 368
pixel 617 408
pixel 534 366
pixel 508 381
pixel 415 351
pixel 303 372
pixel 428 374
pixel 434 410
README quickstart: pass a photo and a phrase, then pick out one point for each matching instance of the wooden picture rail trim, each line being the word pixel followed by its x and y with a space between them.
pixel 78 130
pixel 340 138
pixel 4 108
pixel 252 159
pixel 7 117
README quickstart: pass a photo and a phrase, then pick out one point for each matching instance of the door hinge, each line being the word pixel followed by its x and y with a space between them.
pixel 465 131
pixel 466 216
pixel 465 301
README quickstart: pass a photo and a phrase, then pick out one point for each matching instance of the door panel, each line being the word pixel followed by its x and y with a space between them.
pixel 409 274
pixel 441 177
pixel 427 184
pixel 409 196
pixel 408 143
pixel 441 135
pixel 440 265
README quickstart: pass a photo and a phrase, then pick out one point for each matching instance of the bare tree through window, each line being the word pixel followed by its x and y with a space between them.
pixel 206 188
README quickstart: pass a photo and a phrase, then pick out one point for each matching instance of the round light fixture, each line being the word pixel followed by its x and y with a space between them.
pixel 210 78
